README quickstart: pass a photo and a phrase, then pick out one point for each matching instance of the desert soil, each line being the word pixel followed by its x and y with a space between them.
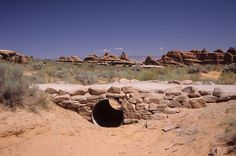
pixel 60 132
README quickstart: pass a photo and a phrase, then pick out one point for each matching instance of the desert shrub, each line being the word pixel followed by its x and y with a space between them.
pixel 87 78
pixel 147 75
pixel 227 78
pixel 193 69
pixel 37 65
pixel 230 68
pixel 12 85
pixel 15 91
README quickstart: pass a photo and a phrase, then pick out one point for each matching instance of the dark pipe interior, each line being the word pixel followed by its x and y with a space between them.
pixel 106 116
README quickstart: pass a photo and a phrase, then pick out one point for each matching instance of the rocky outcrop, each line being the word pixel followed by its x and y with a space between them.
pixel 203 57
pixel 110 59
pixel 13 56
pixel 69 59
pixel 150 61
pixel 125 57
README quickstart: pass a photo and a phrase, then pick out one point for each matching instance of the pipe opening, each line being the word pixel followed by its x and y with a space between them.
pixel 107 113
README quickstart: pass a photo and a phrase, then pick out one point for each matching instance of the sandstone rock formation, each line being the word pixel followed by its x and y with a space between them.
pixel 109 59
pixel 13 56
pixel 203 57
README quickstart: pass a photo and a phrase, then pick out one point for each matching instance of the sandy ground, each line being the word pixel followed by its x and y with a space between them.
pixel 142 85
pixel 61 132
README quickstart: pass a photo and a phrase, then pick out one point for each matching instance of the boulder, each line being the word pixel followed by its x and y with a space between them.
pixel 174 91
pixel 181 98
pixel 217 92
pixel 79 91
pixel 189 89
pixel 97 90
pixel 204 92
pixel 210 98
pixel 197 103
pixel 51 90
pixel 115 90
pixel 174 104
pixel 61 98
pixel 116 96
pixel 193 95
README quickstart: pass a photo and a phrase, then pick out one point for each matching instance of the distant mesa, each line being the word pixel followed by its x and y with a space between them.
pixel 14 56
pixel 202 57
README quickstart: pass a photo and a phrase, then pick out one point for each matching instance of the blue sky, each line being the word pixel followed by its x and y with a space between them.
pixel 51 28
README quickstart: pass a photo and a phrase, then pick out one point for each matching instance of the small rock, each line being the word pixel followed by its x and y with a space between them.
pixel 186 104
pixel 223 98
pixel 204 92
pixel 141 106
pixel 130 121
pixel 115 90
pixel 158 116
pixel 80 91
pixel 97 90
pixel 175 82
pixel 217 92
pixel 129 89
pixel 181 98
pixel 171 110
pixel 174 104
pixel 232 97
pixel 169 97
pixel 124 80
pixel 210 83
pixel 193 95
pixel 189 89
pixel 197 103
pixel 51 90
pixel 210 98
pixel 170 126
pixel 61 98
pixel 174 91
pixel 61 92
pixel 113 95
pixel 135 100
pixel 161 107
pixel 146 116
pixel 187 82
pixel 152 107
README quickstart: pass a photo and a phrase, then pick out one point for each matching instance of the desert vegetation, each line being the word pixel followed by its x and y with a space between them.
pixel 40 71
pixel 15 90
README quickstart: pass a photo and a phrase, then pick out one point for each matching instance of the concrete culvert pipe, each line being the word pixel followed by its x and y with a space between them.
pixel 107 113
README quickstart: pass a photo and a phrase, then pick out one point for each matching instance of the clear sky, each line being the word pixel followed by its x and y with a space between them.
pixel 51 28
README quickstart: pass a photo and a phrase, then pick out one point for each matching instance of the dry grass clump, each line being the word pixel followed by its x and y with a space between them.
pixel 15 91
